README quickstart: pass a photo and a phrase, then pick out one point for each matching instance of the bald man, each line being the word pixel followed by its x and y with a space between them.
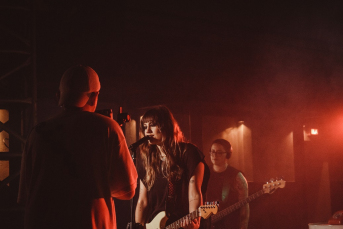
pixel 75 163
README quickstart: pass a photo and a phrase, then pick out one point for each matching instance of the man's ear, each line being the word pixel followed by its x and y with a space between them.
pixel 93 98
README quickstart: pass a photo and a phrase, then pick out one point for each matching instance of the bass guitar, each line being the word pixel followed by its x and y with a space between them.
pixel 270 187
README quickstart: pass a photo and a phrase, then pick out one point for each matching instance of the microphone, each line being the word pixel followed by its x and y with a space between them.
pixel 140 141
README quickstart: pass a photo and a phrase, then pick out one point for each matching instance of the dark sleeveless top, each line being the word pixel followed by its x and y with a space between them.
pixel 221 188
pixel 157 195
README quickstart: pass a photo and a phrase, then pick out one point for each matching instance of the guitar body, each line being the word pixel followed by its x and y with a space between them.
pixel 158 222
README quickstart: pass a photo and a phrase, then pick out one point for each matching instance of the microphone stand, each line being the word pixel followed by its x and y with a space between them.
pixel 132 225
pixel 133 149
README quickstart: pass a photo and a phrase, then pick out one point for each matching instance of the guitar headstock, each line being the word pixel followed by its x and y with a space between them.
pixel 208 210
pixel 272 185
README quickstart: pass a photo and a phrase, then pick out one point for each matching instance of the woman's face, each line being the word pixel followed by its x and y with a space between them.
pixel 153 130
pixel 218 155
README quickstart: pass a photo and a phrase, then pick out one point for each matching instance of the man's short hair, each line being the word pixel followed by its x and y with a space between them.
pixel 76 85
pixel 226 144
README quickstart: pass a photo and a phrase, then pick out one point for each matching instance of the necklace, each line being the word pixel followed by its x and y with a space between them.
pixel 163 157
pixel 163 168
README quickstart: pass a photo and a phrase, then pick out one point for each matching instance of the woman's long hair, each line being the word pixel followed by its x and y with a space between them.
pixel 164 120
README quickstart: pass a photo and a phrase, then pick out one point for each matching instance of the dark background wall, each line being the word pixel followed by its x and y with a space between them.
pixel 275 65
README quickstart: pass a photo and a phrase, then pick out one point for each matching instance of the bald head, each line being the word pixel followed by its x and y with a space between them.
pixel 76 86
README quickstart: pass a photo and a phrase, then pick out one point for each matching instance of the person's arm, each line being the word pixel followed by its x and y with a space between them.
pixel 124 178
pixel 123 173
pixel 195 195
pixel 241 185
pixel 142 204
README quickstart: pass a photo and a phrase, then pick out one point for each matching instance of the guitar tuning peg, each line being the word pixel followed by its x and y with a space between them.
pixel 272 180
pixel 267 181
pixel 214 203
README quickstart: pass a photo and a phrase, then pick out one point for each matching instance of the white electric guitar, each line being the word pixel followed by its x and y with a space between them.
pixel 270 187
pixel 160 219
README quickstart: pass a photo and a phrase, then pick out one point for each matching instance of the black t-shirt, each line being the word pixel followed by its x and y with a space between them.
pixel 221 188
pixel 157 195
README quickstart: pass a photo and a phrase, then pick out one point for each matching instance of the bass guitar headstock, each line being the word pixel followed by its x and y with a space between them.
pixel 272 185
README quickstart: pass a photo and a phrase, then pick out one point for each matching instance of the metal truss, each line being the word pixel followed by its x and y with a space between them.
pixel 18 82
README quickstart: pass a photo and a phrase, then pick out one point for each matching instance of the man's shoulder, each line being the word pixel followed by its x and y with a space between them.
pixel 78 118
pixel 96 117
pixel 232 170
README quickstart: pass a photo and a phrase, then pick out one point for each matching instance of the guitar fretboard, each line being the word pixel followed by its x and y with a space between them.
pixel 190 216
pixel 226 211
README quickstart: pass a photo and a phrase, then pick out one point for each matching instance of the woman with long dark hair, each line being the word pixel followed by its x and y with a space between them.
pixel 173 174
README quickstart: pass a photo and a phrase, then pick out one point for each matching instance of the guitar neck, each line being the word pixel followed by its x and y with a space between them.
pixel 190 216
pixel 220 215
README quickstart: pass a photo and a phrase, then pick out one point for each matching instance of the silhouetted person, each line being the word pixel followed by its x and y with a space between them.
pixel 74 163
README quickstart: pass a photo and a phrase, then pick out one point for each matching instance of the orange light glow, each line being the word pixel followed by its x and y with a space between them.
pixel 314 131
pixel 4 145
